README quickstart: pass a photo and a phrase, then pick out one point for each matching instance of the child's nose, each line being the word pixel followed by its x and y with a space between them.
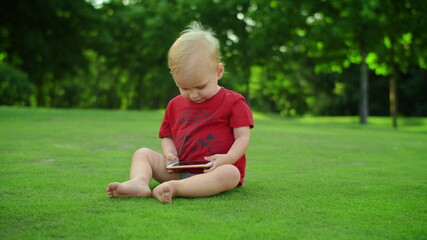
pixel 193 94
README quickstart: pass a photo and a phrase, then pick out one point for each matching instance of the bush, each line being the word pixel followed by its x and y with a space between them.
pixel 15 88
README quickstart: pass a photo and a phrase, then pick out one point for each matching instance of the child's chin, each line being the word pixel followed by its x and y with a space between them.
pixel 198 101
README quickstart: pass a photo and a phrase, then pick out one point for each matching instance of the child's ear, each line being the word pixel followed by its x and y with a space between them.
pixel 220 71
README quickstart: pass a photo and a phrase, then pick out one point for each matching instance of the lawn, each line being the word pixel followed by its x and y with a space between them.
pixel 307 178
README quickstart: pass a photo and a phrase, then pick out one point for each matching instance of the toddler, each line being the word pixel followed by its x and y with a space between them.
pixel 204 122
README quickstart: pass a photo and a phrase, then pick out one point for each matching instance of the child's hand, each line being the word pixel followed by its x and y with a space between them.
pixel 218 160
pixel 171 158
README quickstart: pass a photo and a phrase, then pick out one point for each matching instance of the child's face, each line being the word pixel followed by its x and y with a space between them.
pixel 200 83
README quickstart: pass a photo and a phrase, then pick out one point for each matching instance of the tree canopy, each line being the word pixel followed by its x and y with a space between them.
pixel 292 57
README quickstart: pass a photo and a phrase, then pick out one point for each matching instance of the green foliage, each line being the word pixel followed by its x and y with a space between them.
pixel 114 55
pixel 412 91
pixel 281 92
pixel 307 178
pixel 15 89
pixel 46 39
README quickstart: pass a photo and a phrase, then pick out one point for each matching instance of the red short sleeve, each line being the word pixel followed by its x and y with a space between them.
pixel 165 128
pixel 241 115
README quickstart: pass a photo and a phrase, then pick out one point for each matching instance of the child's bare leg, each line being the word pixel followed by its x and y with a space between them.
pixel 223 178
pixel 145 163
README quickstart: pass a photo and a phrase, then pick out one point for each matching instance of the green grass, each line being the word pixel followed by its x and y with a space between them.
pixel 307 178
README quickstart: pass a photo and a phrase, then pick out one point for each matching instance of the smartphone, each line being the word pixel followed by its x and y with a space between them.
pixel 189 164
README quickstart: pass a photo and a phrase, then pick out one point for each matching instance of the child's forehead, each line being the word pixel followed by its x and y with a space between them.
pixel 190 80
pixel 192 83
pixel 191 72
pixel 188 76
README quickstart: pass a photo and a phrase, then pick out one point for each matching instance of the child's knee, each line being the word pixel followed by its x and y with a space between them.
pixel 150 156
pixel 230 175
pixel 142 153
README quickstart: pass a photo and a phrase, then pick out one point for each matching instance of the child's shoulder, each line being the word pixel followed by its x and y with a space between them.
pixel 178 98
pixel 175 102
pixel 232 94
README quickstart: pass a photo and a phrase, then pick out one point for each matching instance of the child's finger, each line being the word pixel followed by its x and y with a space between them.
pixel 210 158
pixel 210 169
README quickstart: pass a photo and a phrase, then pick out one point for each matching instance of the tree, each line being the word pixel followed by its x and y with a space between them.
pixel 402 28
pixel 292 57
pixel 46 40
pixel 342 33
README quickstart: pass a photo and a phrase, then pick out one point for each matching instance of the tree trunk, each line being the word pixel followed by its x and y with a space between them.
pixel 393 100
pixel 363 98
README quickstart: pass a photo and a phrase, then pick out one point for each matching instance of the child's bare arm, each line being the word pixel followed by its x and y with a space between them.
pixel 239 147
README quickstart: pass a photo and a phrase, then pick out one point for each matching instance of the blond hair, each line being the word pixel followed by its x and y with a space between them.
pixel 195 43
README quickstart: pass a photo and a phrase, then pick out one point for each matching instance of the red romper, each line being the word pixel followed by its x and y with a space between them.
pixel 204 129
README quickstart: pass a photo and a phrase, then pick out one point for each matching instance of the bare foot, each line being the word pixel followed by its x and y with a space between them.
pixel 131 188
pixel 164 192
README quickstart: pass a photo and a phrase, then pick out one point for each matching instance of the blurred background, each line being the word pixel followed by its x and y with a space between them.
pixel 291 57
